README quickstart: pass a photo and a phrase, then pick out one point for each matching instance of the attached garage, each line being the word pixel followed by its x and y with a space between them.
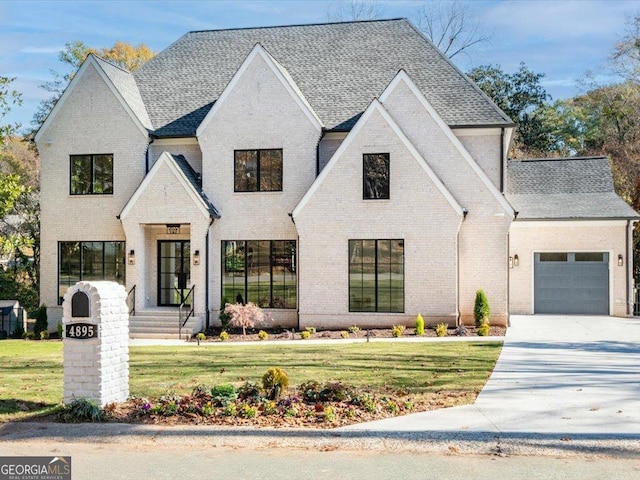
pixel 571 283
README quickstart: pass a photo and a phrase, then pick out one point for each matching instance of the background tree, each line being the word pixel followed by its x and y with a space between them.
pixel 121 54
pixel 354 10
pixel 625 59
pixel 451 26
pixel 8 98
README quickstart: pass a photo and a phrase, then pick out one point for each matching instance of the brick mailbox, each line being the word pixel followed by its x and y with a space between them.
pixel 95 317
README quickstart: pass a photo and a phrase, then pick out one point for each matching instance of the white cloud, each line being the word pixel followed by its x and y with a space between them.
pixel 41 50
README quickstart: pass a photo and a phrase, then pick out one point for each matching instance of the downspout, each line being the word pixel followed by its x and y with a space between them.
pixel 629 268
pixel 146 155
pixel 297 270
pixel 206 277
pixel 458 317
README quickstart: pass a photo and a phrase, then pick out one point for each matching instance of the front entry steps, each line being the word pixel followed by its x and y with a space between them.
pixel 161 323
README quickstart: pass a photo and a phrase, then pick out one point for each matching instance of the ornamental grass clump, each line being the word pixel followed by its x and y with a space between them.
pixel 481 311
pixel 245 316
pixel 441 329
pixel 419 325
pixel 397 330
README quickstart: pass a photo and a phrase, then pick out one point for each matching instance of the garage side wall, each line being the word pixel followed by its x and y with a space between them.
pixel 529 237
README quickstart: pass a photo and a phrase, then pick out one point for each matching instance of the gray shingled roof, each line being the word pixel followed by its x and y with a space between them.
pixel 195 180
pixel 564 188
pixel 125 83
pixel 339 68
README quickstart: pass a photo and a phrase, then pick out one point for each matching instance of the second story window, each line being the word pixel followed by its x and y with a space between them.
pixel 258 170
pixel 91 174
pixel 375 176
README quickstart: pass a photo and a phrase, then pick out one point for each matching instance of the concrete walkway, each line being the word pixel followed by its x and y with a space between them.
pixel 573 375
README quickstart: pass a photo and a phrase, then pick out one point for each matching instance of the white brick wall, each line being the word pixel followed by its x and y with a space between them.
pixel 258 114
pixel 90 121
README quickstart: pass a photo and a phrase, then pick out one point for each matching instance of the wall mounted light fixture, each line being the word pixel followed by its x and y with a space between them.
pixel 196 257
pixel 131 258
pixel 516 260
pixel 620 260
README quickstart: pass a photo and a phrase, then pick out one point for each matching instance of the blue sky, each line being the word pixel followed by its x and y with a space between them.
pixel 561 38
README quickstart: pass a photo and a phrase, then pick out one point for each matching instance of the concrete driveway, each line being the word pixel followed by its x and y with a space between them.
pixel 556 375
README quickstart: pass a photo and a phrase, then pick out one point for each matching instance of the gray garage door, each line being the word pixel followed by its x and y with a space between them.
pixel 574 283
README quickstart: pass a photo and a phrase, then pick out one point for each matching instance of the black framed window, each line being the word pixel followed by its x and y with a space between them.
pixel 91 174
pixel 258 170
pixel 375 176
pixel 89 261
pixel 376 276
pixel 260 271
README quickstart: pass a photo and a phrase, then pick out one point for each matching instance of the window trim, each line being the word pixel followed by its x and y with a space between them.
pixel 92 185
pixel 376 240
pixel 258 169
pixel 364 176
pixel 59 257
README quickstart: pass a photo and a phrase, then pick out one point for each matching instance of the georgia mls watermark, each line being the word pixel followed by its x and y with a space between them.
pixel 35 468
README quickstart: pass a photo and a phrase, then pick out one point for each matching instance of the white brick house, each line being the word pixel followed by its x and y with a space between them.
pixel 335 174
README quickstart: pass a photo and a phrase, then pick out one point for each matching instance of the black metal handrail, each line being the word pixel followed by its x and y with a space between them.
pixel 190 314
pixel 131 301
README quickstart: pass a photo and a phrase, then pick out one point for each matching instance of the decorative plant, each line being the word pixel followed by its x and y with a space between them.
pixel 44 335
pixel 224 336
pixel 344 334
pixel 275 381
pixel 354 329
pixel 483 330
pixel 201 337
pixel 245 316
pixel 82 410
pixel 441 329
pixel 419 325
pixel 397 330
pixel 262 335
pixel 60 331
pixel 41 323
pixel 223 316
pixel 224 393
pixel 305 334
pixel 311 330
pixel 481 311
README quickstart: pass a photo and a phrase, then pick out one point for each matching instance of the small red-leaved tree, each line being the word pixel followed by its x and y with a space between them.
pixel 245 316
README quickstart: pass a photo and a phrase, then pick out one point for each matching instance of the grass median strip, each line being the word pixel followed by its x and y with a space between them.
pixel 31 371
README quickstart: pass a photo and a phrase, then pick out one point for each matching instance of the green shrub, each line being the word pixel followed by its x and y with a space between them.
pixel 28 335
pixel 397 330
pixel 262 335
pixel 223 394
pixel 305 334
pixel 441 329
pixel 41 320
pixel 344 334
pixel 269 407
pixel 419 325
pixel 354 329
pixel 201 337
pixel 223 316
pixel 18 332
pixel 201 390
pixel 44 335
pixel 60 328
pixel 246 411
pixel 275 382
pixel 334 392
pixel 249 392
pixel 310 391
pixel 483 330
pixel 82 410
pixel 224 336
pixel 481 311
pixel 230 410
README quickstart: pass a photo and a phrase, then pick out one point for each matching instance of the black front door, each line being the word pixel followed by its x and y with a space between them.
pixel 174 271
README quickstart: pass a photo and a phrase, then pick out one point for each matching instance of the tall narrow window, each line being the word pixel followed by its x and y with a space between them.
pixel 258 170
pixel 376 276
pixel 376 176
pixel 260 271
pixel 89 261
pixel 91 174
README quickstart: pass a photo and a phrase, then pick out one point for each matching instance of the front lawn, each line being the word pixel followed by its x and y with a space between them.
pixel 451 373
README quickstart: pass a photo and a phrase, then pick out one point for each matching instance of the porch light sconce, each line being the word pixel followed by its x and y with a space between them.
pixel 196 257
pixel 516 261
pixel 131 258
pixel 620 260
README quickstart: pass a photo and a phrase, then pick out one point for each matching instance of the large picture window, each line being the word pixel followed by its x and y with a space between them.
pixel 258 170
pixel 376 276
pixel 260 271
pixel 89 261
pixel 376 176
pixel 91 174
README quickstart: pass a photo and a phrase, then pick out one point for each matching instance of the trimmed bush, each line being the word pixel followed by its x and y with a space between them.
pixel 275 382
pixel 224 316
pixel 224 336
pixel 483 330
pixel 397 330
pixel 305 334
pixel 481 311
pixel 41 321
pixel 419 325
pixel 44 335
pixel 262 335
pixel 441 329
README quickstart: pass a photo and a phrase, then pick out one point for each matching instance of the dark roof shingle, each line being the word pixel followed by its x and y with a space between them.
pixel 195 181
pixel 339 68
pixel 564 188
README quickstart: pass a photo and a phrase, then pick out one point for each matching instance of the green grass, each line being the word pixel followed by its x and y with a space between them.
pixel 31 372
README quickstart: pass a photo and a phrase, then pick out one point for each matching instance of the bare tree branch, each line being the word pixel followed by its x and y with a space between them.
pixel 353 10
